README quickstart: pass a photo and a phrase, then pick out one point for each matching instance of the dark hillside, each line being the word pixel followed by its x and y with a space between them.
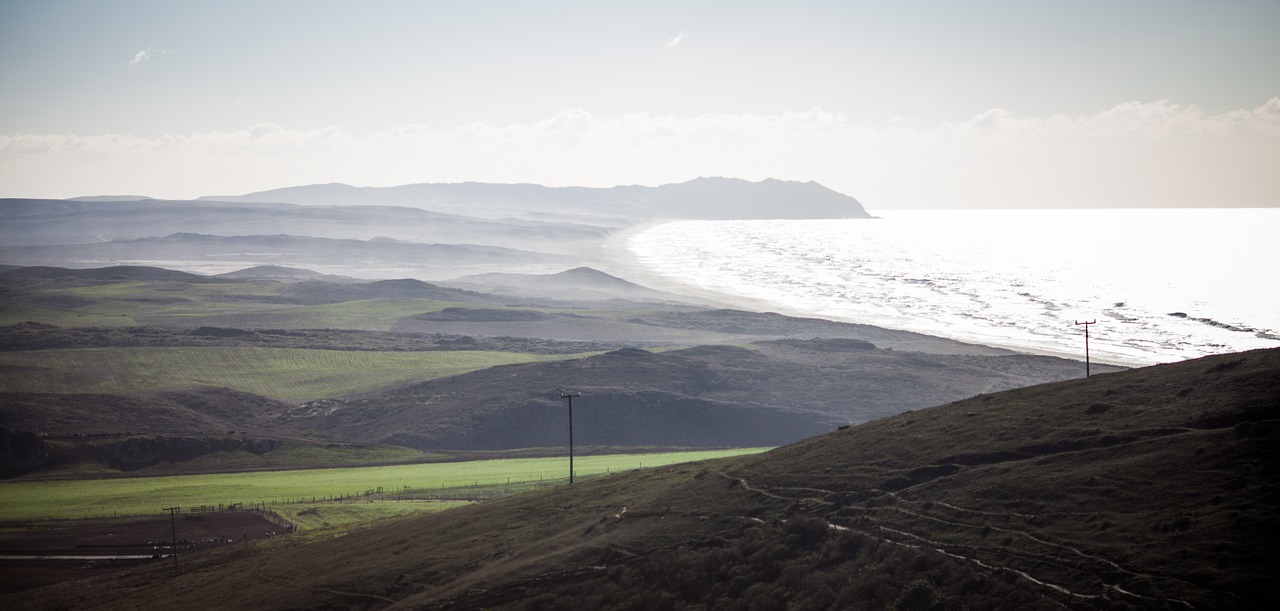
pixel 770 394
pixel 116 273
pixel 317 291
pixel 42 336
pixel 276 272
pixel 1147 489
pixel 190 412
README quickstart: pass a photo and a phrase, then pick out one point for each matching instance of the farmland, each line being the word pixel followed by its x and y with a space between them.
pixel 35 500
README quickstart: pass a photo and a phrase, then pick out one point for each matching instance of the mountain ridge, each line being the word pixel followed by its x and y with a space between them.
pixel 700 198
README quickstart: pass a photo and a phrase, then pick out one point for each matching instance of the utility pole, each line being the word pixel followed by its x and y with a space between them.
pixel 173 534
pixel 1086 344
pixel 570 396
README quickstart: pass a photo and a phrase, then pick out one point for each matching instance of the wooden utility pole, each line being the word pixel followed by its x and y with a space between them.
pixel 570 396
pixel 1086 344
pixel 173 533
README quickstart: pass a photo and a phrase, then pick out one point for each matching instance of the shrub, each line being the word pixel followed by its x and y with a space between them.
pixel 919 595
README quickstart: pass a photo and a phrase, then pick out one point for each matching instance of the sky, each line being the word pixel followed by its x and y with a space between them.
pixel 902 105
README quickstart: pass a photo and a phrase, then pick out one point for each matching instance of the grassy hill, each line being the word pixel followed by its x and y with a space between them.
pixel 96 351
pixel 767 393
pixel 1154 488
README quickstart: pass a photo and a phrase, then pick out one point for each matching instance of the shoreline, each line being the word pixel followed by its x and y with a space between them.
pixel 619 260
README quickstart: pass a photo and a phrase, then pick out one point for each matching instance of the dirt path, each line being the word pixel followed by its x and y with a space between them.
pixel 941 548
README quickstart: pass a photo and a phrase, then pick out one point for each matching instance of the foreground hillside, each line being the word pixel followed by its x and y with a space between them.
pixel 1152 488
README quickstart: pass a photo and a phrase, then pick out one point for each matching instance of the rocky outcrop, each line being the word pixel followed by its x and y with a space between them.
pixel 20 452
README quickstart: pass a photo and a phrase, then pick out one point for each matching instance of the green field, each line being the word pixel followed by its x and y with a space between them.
pixel 91 458
pixel 245 305
pixel 63 499
pixel 361 315
pixel 282 373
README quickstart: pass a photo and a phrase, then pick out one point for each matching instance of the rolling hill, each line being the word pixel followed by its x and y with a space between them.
pixel 370 362
pixel 573 285
pixel 1152 488
pixel 768 394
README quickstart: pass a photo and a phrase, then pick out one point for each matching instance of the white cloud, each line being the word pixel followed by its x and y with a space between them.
pixel 146 54
pixel 1135 154
pixel 675 41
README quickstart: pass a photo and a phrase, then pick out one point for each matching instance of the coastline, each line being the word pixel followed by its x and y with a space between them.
pixel 618 259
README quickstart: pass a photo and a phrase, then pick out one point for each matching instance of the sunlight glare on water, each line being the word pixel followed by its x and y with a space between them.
pixel 1164 285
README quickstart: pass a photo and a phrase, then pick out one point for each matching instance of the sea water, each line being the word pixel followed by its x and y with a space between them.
pixel 1162 284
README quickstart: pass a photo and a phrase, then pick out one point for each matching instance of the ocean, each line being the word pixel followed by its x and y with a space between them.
pixel 1162 284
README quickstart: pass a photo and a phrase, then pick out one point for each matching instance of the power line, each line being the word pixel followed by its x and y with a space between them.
pixel 173 533
pixel 1086 344
pixel 570 397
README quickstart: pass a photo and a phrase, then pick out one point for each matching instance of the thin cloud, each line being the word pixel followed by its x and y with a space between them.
pixel 145 54
pixel 1134 154
pixel 675 41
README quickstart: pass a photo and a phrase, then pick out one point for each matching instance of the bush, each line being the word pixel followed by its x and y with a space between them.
pixel 919 595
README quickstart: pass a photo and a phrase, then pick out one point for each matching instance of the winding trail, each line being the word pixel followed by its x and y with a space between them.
pixel 940 547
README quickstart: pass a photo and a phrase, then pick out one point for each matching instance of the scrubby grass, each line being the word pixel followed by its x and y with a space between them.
pixel 236 304
pixel 137 299
pixel 319 516
pixel 82 458
pixel 361 315
pixel 14 313
pixel 63 499
pixel 283 373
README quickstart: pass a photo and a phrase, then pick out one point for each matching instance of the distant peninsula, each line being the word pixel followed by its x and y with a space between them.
pixel 701 198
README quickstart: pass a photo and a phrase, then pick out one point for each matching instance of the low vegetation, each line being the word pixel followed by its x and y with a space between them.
pixel 1035 498
pixel 113 497
pixel 1152 488
pixel 97 457
pixel 281 373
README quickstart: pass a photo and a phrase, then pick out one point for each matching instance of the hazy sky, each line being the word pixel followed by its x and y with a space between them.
pixel 900 104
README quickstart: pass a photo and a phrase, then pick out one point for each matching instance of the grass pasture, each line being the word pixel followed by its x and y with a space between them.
pixel 247 305
pixel 126 303
pixel 282 373
pixel 88 458
pixel 294 491
pixel 317 516
pixel 360 315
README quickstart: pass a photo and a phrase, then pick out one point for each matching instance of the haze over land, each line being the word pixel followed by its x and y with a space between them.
pixel 535 296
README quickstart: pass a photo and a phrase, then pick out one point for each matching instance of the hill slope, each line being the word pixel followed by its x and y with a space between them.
pixel 1152 488
pixel 577 284
pixel 770 394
